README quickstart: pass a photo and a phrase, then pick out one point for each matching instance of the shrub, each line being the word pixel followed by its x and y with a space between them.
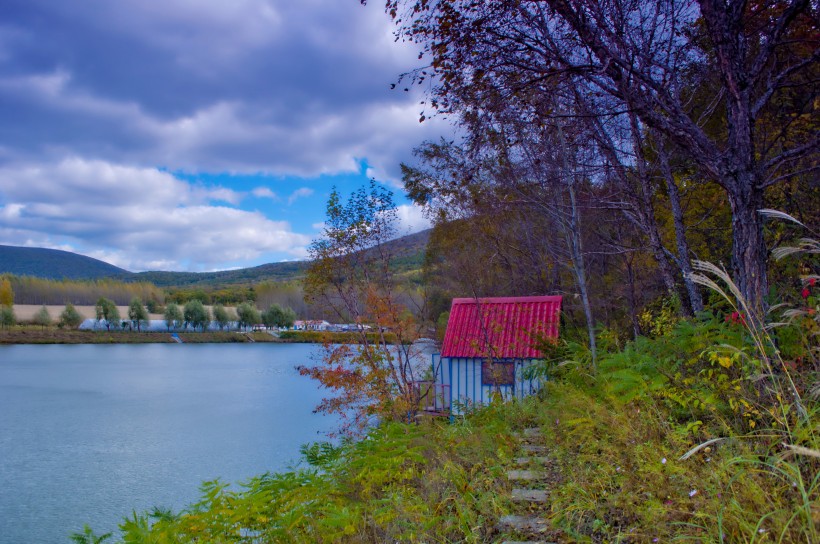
pixel 7 318
pixel 70 317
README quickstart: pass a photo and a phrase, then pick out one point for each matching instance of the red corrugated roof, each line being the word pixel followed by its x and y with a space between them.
pixel 506 327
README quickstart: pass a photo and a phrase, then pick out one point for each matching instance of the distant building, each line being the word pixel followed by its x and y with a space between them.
pixel 488 344
pixel 311 325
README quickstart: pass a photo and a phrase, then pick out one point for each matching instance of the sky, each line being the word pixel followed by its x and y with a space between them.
pixel 197 135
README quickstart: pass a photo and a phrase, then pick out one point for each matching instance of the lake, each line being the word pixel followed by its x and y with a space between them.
pixel 89 433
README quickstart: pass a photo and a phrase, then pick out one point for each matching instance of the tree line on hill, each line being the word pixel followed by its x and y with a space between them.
pixel 33 290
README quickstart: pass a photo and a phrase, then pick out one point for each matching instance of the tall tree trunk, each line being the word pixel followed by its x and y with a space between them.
pixel 579 267
pixel 645 209
pixel 575 243
pixel 695 299
pixel 748 245
pixel 633 306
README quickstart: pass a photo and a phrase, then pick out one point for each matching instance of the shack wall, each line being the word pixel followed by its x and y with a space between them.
pixel 463 377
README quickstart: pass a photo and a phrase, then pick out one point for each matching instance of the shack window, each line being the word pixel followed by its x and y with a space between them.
pixel 495 373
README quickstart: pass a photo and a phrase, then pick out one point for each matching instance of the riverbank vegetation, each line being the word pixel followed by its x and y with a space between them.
pixel 706 429
pixel 28 334
pixel 34 334
pixel 681 437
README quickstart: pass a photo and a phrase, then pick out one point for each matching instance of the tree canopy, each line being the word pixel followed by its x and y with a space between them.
pixel 105 309
pixel 373 376
pixel 42 317
pixel 6 292
pixel 7 317
pixel 70 317
pixel 728 87
pixel 196 315
pixel 278 316
pixel 247 315
pixel 173 316
pixel 221 316
pixel 137 314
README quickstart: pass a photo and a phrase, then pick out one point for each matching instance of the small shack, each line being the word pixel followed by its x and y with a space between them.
pixel 488 344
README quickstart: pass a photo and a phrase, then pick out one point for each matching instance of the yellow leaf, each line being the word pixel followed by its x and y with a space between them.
pixel 725 362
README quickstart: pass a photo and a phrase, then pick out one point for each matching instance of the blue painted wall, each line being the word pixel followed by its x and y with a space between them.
pixel 463 377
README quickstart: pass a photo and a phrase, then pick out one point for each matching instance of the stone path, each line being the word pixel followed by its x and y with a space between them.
pixel 527 527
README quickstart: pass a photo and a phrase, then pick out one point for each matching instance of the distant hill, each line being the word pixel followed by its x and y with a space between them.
pixel 55 264
pixel 408 254
pixel 266 272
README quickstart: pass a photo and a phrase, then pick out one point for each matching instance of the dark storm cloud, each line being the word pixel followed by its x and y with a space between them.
pixel 290 87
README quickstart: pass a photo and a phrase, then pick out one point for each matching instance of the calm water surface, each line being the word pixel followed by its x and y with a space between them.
pixel 89 433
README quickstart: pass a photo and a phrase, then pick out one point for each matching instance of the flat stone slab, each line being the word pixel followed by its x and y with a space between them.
pixel 531 435
pixel 523 524
pixel 529 495
pixel 530 448
pixel 528 475
pixel 538 460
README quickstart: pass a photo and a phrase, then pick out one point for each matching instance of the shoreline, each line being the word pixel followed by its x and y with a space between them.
pixel 32 334
pixel 35 335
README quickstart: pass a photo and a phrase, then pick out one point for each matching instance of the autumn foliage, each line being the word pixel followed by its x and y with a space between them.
pixel 373 377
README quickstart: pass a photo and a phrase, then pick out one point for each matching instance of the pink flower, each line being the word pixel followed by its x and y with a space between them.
pixel 805 292
pixel 812 281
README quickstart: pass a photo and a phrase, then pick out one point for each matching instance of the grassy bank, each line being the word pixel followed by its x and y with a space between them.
pixel 320 337
pixel 30 334
pixel 404 483
pixel 37 335
pixel 54 335
pixel 678 438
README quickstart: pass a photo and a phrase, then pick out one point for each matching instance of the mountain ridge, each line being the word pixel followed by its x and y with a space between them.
pixel 57 264
pixel 44 262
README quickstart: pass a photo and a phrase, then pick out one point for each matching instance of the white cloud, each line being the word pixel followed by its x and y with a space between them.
pixel 299 193
pixel 264 192
pixel 137 218
pixel 411 219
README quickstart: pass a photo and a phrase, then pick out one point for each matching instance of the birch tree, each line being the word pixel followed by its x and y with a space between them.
pixel 374 376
